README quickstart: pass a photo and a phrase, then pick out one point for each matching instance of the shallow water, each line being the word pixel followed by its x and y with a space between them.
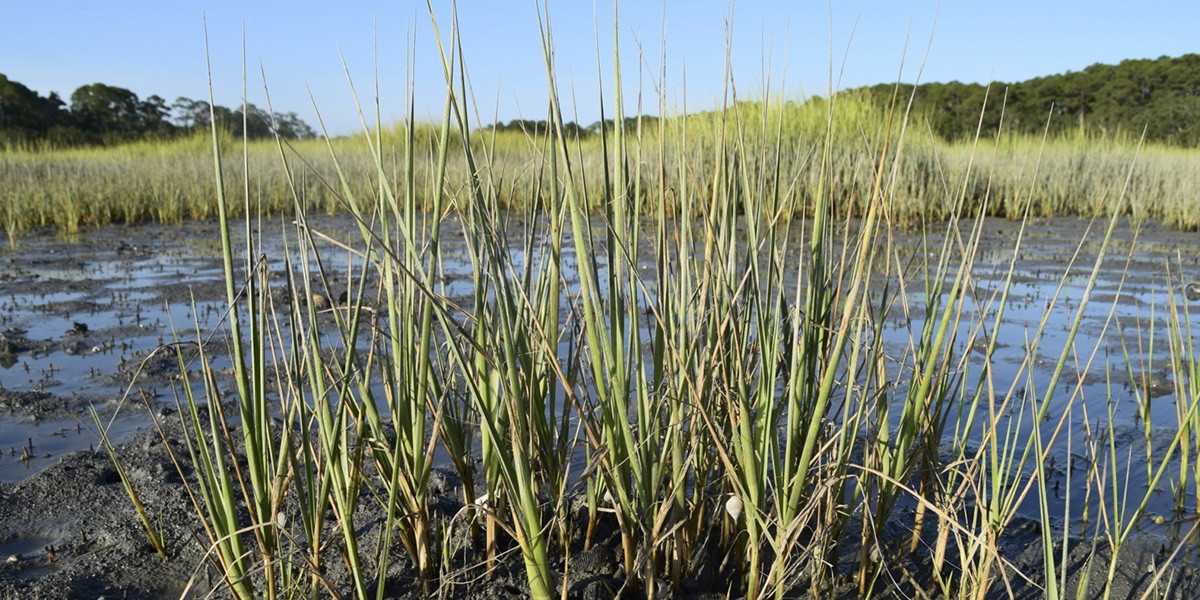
pixel 82 315
pixel 1118 364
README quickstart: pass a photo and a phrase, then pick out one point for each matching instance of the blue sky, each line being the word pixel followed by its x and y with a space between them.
pixel 778 47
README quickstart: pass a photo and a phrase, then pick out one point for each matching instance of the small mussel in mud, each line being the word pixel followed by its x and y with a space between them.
pixel 321 302
pixel 1192 291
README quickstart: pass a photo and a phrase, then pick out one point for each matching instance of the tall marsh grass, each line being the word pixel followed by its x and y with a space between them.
pixel 659 339
pixel 168 181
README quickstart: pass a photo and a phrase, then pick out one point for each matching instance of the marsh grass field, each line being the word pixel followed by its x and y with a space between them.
pixel 168 181
pixel 759 352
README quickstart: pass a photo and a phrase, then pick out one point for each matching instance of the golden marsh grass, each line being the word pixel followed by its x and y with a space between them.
pixel 171 181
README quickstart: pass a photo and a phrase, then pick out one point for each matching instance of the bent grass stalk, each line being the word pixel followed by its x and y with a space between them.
pixel 153 535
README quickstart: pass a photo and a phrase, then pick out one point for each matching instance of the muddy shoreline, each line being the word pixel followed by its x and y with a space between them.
pixel 82 325
pixel 71 532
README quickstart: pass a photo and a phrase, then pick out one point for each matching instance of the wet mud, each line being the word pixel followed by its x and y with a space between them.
pixel 101 323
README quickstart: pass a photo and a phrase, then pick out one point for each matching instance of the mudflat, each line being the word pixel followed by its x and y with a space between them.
pixel 98 323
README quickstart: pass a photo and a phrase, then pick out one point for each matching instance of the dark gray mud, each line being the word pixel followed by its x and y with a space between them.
pixel 71 532
pixel 78 319
pixel 96 323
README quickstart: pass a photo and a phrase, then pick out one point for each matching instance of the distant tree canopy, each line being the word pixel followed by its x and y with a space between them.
pixel 1161 95
pixel 105 114
pixel 572 129
pixel 26 115
pixel 195 114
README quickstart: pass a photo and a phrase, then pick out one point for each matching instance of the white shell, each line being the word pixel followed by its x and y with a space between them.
pixel 734 507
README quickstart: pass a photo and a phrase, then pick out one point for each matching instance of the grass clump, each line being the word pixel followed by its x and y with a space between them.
pixel 658 335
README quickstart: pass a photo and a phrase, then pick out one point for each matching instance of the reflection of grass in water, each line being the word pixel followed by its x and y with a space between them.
pixel 746 407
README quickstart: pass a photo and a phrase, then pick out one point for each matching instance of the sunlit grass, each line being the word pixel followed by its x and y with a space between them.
pixel 169 181
pixel 662 311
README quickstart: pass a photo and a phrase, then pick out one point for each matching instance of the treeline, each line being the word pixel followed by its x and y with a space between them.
pixel 572 129
pixel 1161 95
pixel 105 114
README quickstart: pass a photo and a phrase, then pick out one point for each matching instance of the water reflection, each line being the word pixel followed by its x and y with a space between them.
pixel 137 288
